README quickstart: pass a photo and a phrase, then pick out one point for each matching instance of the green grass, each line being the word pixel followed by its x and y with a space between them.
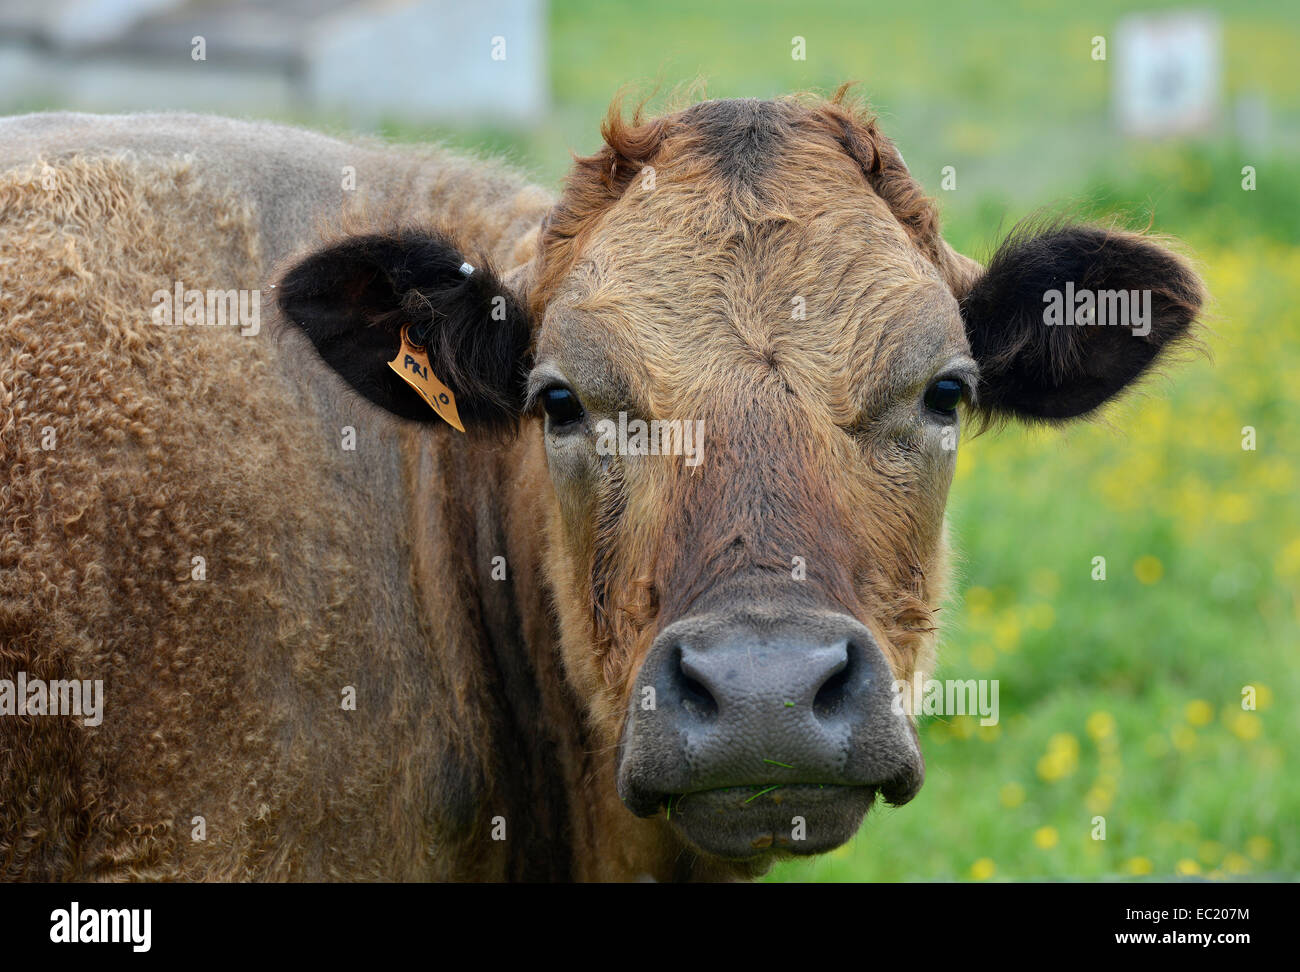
pixel 1122 697
pixel 1007 93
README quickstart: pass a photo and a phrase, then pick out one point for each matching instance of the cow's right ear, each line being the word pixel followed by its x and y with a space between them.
pixel 352 299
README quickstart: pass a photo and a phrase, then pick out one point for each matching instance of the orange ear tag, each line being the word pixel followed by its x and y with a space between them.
pixel 412 364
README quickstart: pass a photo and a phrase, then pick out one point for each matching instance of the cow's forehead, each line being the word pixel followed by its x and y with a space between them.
pixel 810 282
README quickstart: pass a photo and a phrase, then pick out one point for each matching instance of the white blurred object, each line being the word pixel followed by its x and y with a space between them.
pixel 368 60
pixel 1254 120
pixel 430 59
pixel 75 23
pixel 1168 73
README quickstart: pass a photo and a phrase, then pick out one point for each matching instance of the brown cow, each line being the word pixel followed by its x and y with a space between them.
pixel 531 651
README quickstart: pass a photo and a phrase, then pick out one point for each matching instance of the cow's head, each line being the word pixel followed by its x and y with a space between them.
pixel 736 617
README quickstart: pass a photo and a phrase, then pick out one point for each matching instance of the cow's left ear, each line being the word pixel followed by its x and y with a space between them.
pixel 353 297
pixel 1064 319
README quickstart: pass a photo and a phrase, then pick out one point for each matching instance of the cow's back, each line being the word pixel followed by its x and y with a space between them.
pixel 183 521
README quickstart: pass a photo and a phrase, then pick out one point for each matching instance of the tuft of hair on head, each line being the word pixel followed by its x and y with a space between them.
pixel 597 181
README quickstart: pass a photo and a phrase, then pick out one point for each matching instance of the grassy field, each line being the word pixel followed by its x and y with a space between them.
pixel 1007 92
pixel 1123 697
pixel 1120 698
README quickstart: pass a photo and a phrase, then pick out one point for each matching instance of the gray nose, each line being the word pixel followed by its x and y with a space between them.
pixel 785 699
pixel 722 704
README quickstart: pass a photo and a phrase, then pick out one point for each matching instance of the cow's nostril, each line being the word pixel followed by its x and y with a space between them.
pixel 834 692
pixel 696 698
pixel 763 706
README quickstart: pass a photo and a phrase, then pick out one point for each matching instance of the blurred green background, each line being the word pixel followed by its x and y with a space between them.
pixel 1123 697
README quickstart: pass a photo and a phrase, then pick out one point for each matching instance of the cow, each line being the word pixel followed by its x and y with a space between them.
pixel 398 587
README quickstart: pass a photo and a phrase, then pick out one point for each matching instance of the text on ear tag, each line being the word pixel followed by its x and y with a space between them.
pixel 412 364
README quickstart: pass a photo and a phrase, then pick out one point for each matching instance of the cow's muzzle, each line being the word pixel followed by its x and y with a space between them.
pixel 759 737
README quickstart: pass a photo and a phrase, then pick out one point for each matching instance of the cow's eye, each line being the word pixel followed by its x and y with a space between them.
pixel 944 395
pixel 561 405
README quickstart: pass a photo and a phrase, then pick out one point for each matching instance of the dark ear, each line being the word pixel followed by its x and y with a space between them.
pixel 1042 355
pixel 353 297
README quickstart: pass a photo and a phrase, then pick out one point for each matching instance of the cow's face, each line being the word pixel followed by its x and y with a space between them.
pixel 759 290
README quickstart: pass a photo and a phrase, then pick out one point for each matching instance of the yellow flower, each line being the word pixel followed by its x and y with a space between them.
pixel 1235 508
pixel 965 462
pixel 1187 866
pixel 1139 865
pixel 1236 864
pixel 1184 737
pixel 1155 421
pixel 1052 768
pixel 1199 712
pixel 1276 474
pixel 1045 838
pixel 1061 759
pixel 1011 795
pixel 1149 569
pixel 1100 724
pixel 1064 742
pixel 1006 633
pixel 1041 617
pixel 1245 725
pixel 1097 800
pixel 1210 852
pixel 1191 502
pixel 979 601
pixel 1287 562
pixel 983 869
pixel 1260 848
